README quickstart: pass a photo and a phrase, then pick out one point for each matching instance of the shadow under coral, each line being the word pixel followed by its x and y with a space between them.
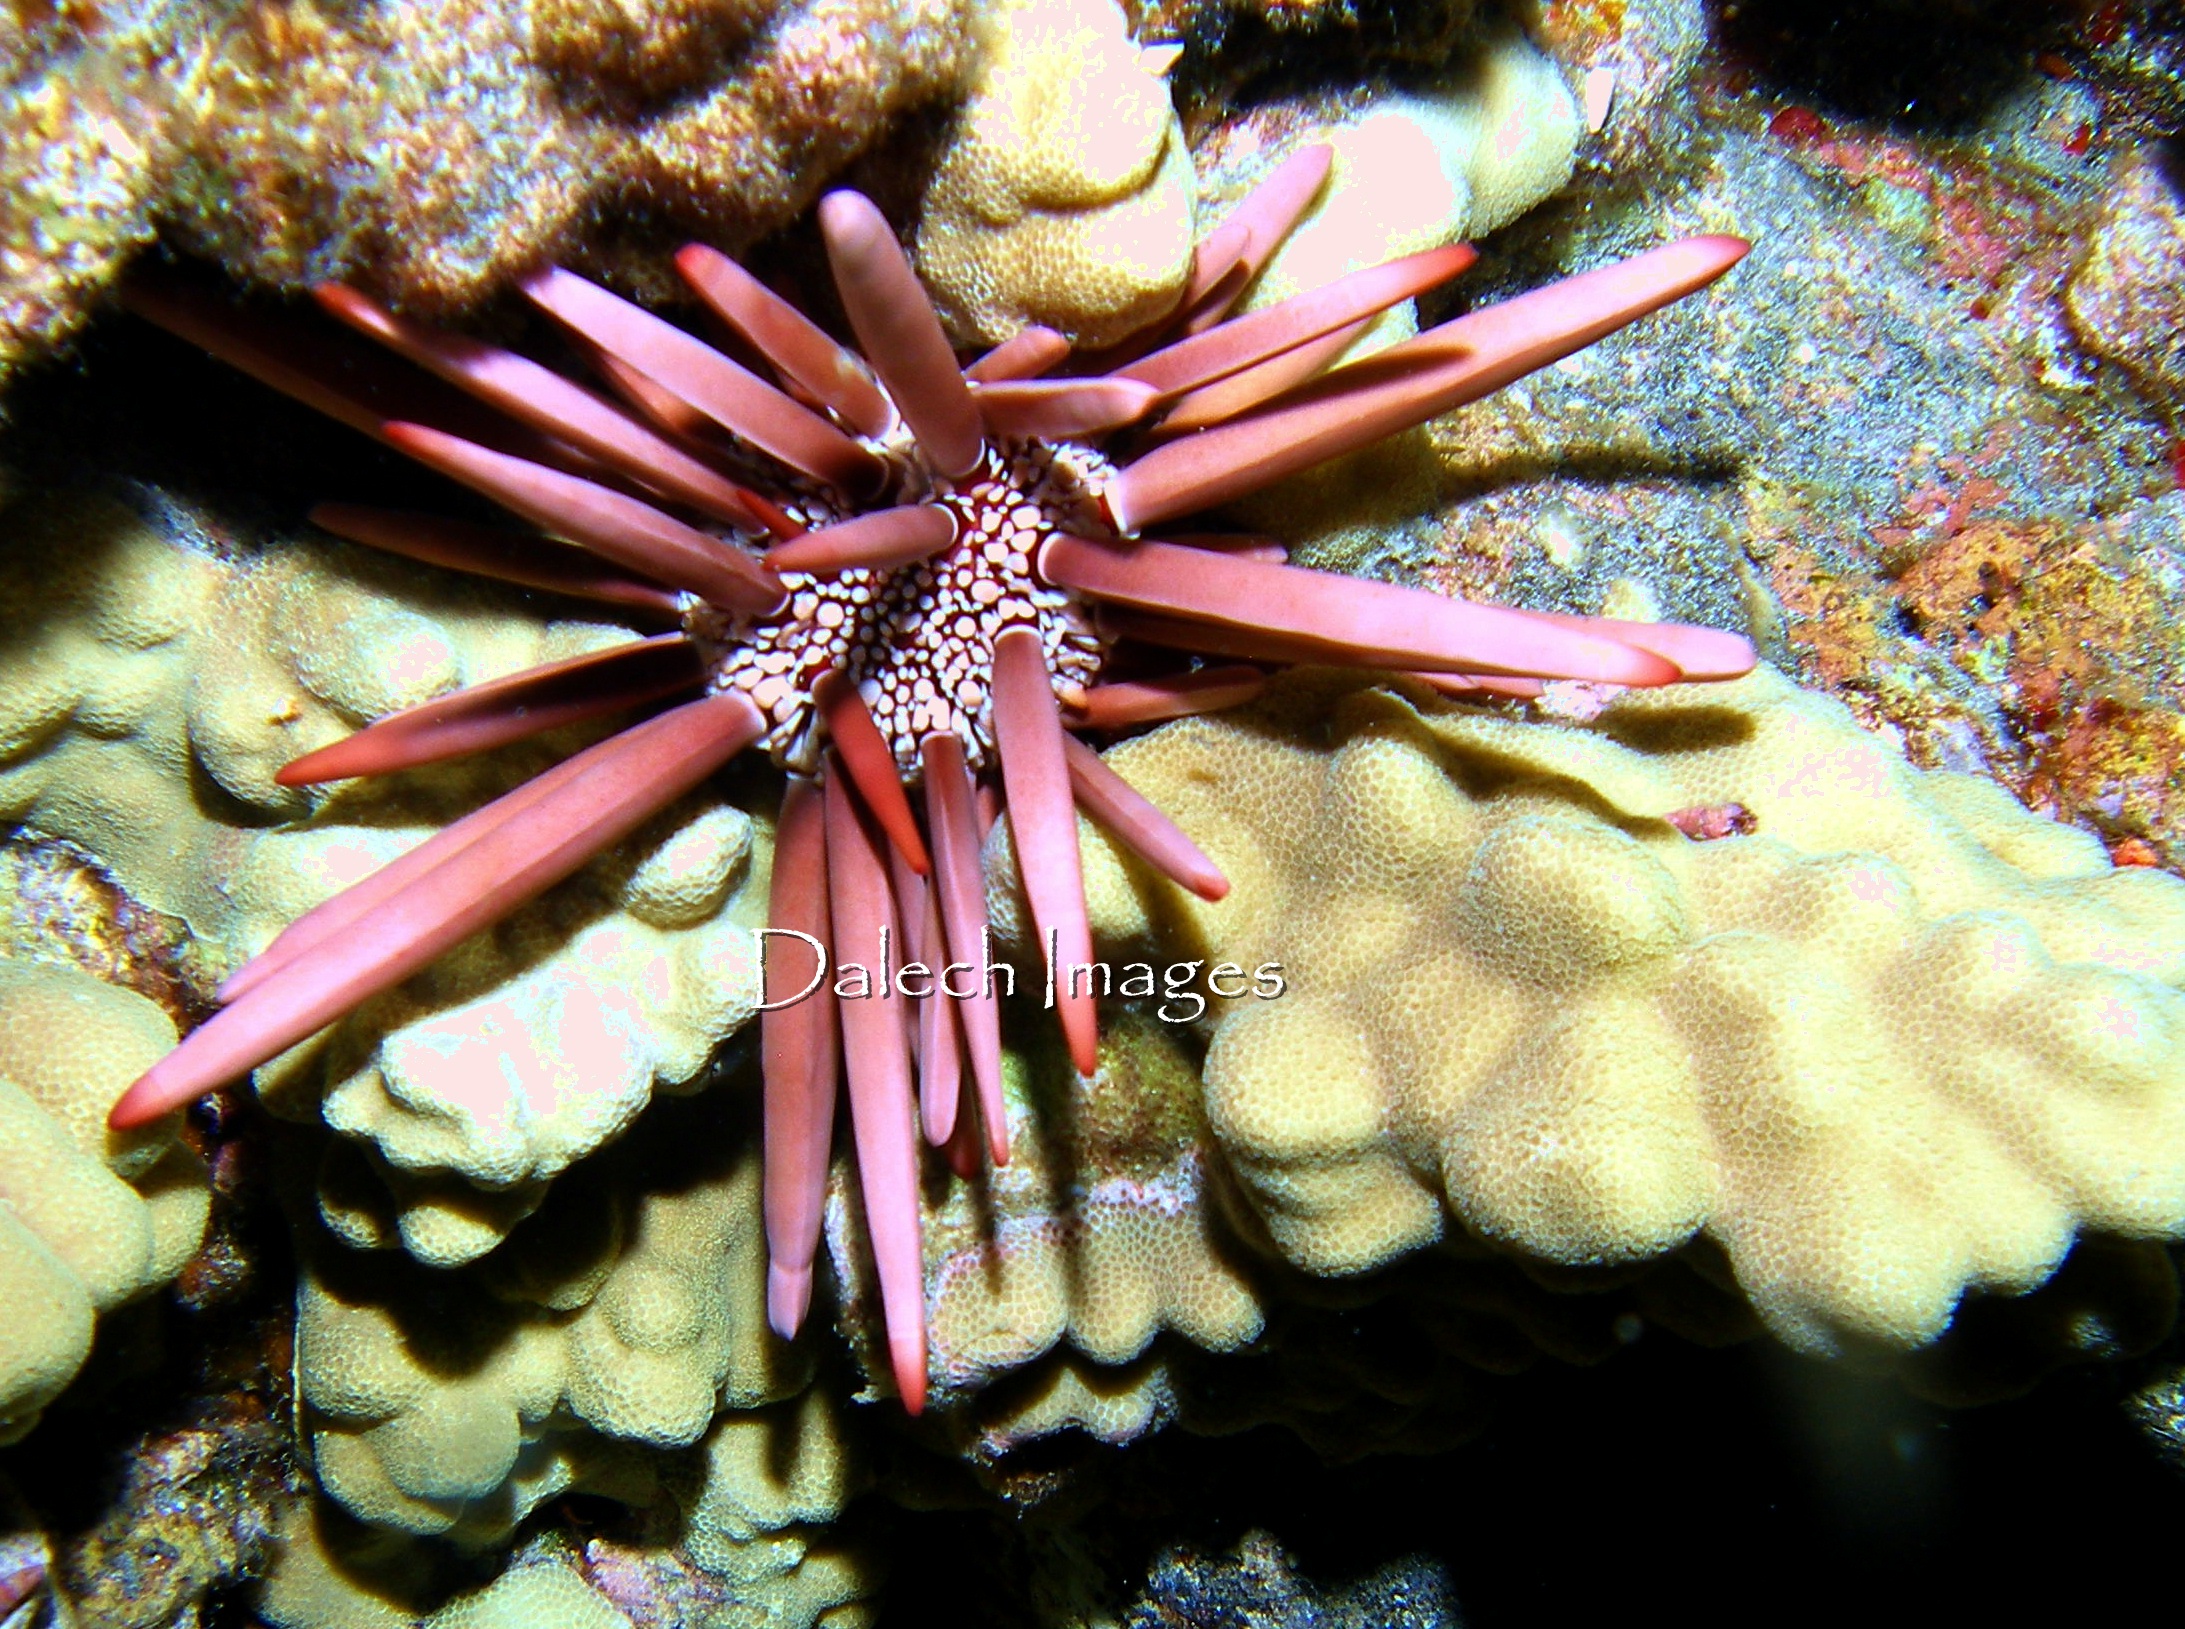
pixel 1719 1485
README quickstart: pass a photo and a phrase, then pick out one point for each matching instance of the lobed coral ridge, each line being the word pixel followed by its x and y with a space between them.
pixel 148 667
pixel 948 562
pixel 89 1218
pixel 1064 197
pixel 615 1346
pixel 1715 966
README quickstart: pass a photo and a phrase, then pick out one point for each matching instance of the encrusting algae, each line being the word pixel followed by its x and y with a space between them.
pixel 433 150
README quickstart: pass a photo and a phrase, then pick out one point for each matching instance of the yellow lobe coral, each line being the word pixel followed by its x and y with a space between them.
pixel 767 1484
pixel 329 1575
pixel 1113 1278
pixel 1070 1392
pixel 627 1313
pixel 142 669
pixel 588 1006
pixel 532 1595
pixel 432 150
pixel 1064 196
pixel 1415 170
pixel 1899 1040
pixel 88 1220
pixel 623 1322
pixel 1100 1233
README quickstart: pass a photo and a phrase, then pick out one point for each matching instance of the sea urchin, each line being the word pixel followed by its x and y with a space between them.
pixel 895 578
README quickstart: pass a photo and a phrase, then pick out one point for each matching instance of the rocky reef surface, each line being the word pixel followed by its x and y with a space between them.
pixel 1682 1103
pixel 434 150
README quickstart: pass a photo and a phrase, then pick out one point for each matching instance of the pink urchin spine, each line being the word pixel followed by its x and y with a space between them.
pixel 927 513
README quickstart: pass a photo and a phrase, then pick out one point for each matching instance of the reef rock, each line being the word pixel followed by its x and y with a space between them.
pixel 429 151
pixel 2126 301
pixel 1240 39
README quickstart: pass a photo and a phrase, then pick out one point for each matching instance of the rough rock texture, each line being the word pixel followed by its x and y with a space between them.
pixel 430 151
pixel 2127 299
pixel 85 141
pixel 146 669
pixel 1064 196
pixel 1878 1034
pixel 88 1219
pixel 1240 47
pixel 1893 380
pixel 1257 1585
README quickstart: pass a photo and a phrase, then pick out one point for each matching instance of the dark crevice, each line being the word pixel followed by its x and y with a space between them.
pixel 1928 65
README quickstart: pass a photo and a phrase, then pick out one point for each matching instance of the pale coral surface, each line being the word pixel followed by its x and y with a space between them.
pixel 89 1219
pixel 147 671
pixel 1878 1033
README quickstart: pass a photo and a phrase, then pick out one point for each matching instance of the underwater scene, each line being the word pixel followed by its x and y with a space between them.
pixel 1091 814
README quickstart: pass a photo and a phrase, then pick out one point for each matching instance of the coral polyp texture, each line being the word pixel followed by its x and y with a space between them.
pixel 1718 965
pixel 89 1218
pixel 1064 196
pixel 893 574
pixel 625 1319
pixel 148 669
pixel 615 1347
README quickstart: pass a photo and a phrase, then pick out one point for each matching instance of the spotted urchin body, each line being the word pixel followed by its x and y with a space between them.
pixel 918 640
pixel 937 542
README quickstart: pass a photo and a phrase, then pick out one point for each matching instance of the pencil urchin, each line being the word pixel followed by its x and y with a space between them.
pixel 898 577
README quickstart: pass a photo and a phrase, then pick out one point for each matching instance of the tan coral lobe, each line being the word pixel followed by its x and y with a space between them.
pixel 1902 1040
pixel 147 667
pixel 616 1346
pixel 89 1219
pixel 1064 196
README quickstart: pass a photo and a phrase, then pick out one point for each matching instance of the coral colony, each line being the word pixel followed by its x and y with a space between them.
pixel 898 576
